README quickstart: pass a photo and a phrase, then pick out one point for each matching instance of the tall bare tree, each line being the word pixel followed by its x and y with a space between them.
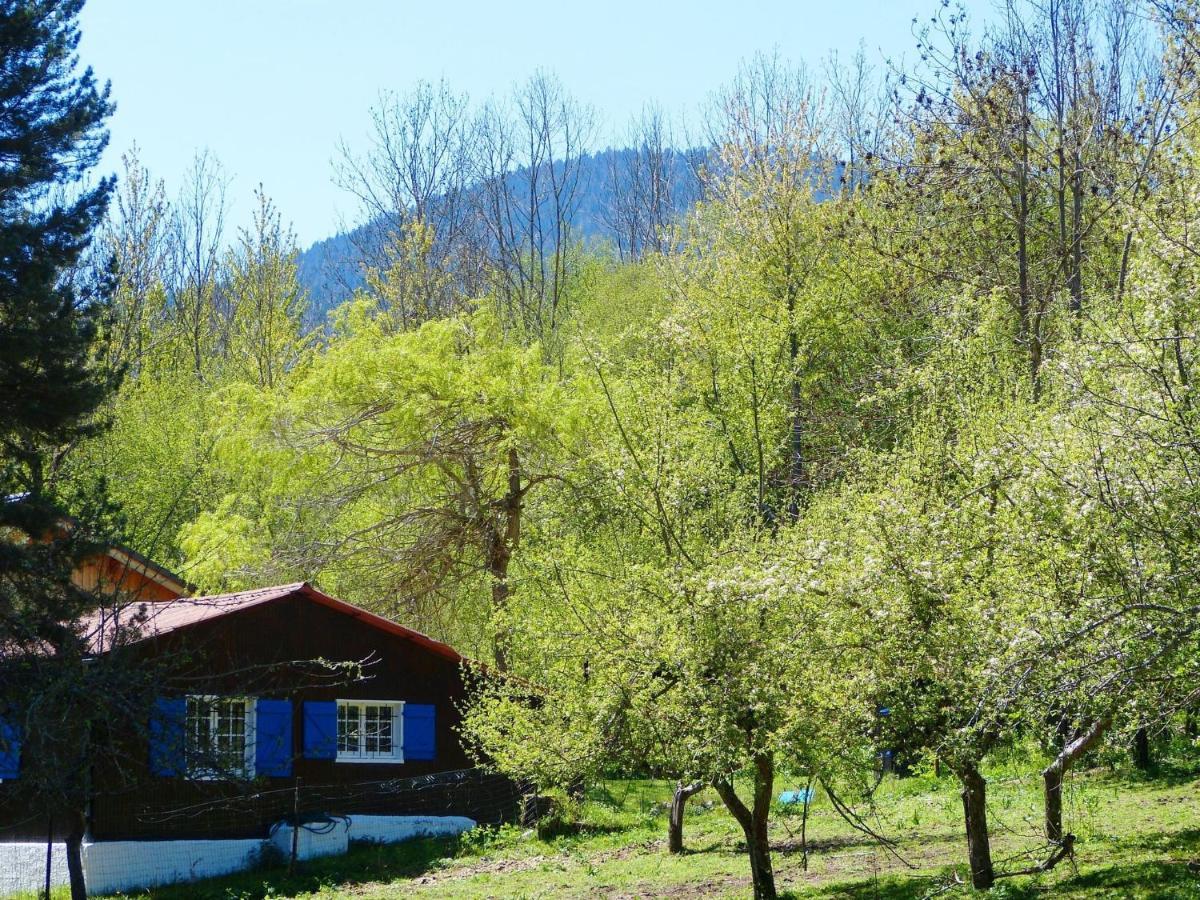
pixel 135 237
pixel 415 244
pixel 529 185
pixel 649 182
pixel 1048 127
pixel 860 120
pixel 196 236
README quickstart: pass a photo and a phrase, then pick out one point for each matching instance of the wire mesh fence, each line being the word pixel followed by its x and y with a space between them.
pixel 184 831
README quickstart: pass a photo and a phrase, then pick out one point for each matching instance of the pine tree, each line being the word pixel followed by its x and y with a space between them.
pixel 52 386
pixel 51 135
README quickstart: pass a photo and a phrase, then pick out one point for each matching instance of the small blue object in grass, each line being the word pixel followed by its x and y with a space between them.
pixel 802 796
pixel 884 711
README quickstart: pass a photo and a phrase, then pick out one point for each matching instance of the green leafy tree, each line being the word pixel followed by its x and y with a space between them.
pixel 397 465
pixel 266 299
pixel 702 675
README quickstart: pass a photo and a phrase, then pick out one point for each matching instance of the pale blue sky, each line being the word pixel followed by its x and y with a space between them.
pixel 271 86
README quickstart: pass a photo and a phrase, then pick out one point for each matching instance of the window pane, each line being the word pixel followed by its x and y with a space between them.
pixel 347 728
pixel 379 730
pixel 230 729
pixel 216 736
pixel 198 725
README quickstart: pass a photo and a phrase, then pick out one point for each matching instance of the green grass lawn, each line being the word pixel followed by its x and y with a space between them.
pixel 1137 837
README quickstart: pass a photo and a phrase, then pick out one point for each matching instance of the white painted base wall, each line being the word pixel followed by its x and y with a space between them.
pixel 394 829
pixel 112 866
pixel 312 843
pixel 23 867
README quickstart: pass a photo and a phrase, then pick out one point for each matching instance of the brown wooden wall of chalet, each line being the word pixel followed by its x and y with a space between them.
pixel 265 651
pixel 109 577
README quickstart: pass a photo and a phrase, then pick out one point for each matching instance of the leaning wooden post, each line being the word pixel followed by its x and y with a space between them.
pixel 808 794
pixel 49 850
pixel 295 826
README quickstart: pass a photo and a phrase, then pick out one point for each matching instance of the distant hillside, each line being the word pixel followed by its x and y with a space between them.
pixel 330 270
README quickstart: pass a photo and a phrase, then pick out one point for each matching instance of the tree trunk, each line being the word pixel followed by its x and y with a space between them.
pixel 1052 782
pixel 979 850
pixel 75 857
pixel 675 821
pixel 1141 749
pixel 754 823
pixel 760 853
pixel 1052 775
pixel 1123 271
pixel 808 795
pixel 1075 284
pixel 1029 331
pixel 500 547
pixel 498 570
pixel 796 473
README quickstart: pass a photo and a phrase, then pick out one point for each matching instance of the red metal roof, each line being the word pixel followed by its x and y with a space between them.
pixel 162 617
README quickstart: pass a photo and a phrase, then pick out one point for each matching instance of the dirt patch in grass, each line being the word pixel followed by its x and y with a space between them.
pixel 513 865
pixel 483 867
pixel 723 887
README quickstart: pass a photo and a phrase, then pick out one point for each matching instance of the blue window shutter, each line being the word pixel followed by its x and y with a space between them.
pixel 419 720
pixel 10 751
pixel 320 729
pixel 167 736
pixel 273 738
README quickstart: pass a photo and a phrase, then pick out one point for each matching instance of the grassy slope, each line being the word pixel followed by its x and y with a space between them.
pixel 1137 838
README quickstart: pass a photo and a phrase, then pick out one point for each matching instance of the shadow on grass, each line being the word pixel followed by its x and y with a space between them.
pixel 1169 772
pixel 364 863
pixel 1158 879
pixel 911 839
pixel 560 829
pixel 1187 841
pixel 890 887
pixel 600 793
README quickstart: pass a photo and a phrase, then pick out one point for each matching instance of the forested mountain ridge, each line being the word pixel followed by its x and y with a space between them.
pixel 331 270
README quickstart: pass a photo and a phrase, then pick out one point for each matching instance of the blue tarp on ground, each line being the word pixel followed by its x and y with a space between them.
pixel 805 795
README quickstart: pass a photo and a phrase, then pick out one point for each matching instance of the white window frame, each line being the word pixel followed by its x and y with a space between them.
pixel 361 755
pixel 199 772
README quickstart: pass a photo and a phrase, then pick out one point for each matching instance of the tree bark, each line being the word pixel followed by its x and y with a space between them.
pixel 1052 782
pixel 675 820
pixel 979 850
pixel 1052 775
pixel 497 565
pixel 796 473
pixel 500 546
pixel 1075 283
pixel 1141 749
pixel 75 857
pixel 1029 331
pixel 754 823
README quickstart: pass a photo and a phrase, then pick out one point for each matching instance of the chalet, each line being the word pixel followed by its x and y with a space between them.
pixel 268 696
pixel 120 571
